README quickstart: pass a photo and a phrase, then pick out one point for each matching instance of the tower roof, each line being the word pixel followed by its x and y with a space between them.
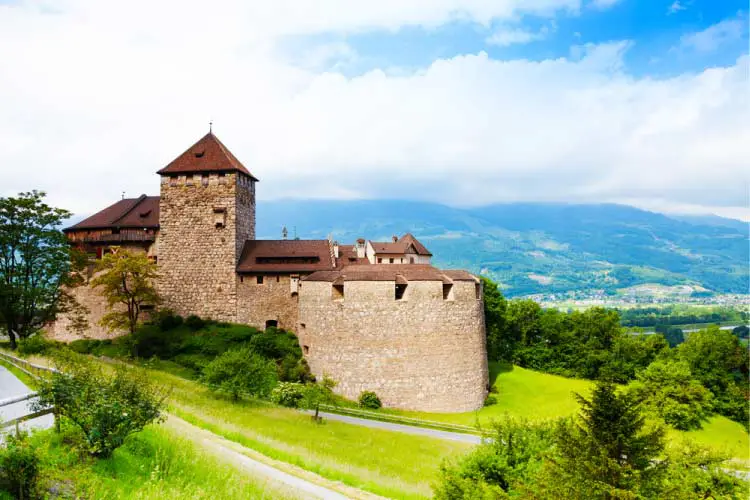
pixel 141 212
pixel 206 155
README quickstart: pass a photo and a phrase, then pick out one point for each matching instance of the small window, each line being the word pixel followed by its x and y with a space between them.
pixel 222 179
pixel 306 349
pixel 259 280
pixel 242 279
pixel 189 180
pixel 411 260
pixel 204 179
pixel 380 260
pixel 400 291
pixel 147 307
pixel 199 154
pixel 220 217
pixel 478 291
pixel 391 261
pixel 173 180
pixel 447 291
pixel 271 323
pixel 337 292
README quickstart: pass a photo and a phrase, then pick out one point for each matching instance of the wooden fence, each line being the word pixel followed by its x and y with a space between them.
pixel 34 371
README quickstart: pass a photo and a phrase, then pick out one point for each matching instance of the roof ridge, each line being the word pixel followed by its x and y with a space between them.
pixel 137 202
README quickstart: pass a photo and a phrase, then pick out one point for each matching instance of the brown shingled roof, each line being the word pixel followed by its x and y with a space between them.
pixel 285 256
pixel 391 272
pixel 206 155
pixel 130 212
pixel 409 238
pixel 400 246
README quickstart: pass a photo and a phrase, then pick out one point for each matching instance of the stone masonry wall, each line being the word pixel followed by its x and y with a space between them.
pixel 419 353
pixel 197 259
pixel 272 300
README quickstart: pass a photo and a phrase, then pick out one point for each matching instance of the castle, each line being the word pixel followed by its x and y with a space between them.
pixel 374 315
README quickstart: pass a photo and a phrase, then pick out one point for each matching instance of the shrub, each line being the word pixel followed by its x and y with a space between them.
pixel 19 467
pixel 166 319
pixel 84 346
pixel 288 394
pixel 36 344
pixel 241 371
pixel 107 406
pixel 319 393
pixel 667 389
pixel 368 399
pixel 490 400
pixel 194 322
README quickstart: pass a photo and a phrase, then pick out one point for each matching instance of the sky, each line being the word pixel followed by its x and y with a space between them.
pixel 462 102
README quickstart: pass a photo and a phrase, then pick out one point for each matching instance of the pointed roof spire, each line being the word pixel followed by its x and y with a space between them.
pixel 209 154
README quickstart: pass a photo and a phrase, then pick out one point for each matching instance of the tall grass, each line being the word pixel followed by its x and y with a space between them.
pixel 153 464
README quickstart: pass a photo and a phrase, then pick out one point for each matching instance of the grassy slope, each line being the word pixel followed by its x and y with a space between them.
pixel 387 463
pixel 153 464
pixel 535 395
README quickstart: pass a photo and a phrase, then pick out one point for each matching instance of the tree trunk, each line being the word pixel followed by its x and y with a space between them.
pixel 12 337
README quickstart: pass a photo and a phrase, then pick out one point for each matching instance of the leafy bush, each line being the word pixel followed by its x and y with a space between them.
pixel 194 322
pixel 319 393
pixel 239 372
pixel 19 467
pixel 167 320
pixel 667 389
pixel 490 400
pixel 368 399
pixel 288 394
pixel 106 406
pixel 36 344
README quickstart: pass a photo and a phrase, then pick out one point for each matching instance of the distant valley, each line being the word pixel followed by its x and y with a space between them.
pixel 535 248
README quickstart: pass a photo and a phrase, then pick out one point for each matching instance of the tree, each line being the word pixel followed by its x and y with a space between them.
pixel 667 389
pixel 715 357
pixel 106 405
pixel 241 372
pixel 126 279
pixel 608 453
pixel 36 264
pixel 741 332
pixel 319 393
pixel 500 346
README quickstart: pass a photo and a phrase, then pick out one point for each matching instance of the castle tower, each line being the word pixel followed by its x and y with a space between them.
pixel 206 213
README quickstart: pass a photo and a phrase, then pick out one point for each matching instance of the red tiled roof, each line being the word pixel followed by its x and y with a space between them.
pixel 391 272
pixel 285 256
pixel 131 212
pixel 348 256
pixel 399 247
pixel 206 155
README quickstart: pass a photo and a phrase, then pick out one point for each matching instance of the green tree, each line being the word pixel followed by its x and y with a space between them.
pixel 500 346
pixel 37 266
pixel 127 282
pixel 241 372
pixel 667 389
pixel 608 453
pixel 318 394
pixel 631 354
pixel 106 405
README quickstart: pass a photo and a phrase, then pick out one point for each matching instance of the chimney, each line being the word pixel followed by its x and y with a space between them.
pixel 361 248
pixel 395 238
pixel 336 249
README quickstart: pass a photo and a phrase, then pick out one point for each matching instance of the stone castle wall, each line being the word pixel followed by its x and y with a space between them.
pixel 419 353
pixel 97 306
pixel 271 300
pixel 197 259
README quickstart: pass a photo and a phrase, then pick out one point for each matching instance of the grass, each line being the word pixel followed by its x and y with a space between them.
pixel 153 464
pixel 521 393
pixel 723 435
pixel 24 377
pixel 387 463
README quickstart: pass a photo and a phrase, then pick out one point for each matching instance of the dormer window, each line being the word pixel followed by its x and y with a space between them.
pixel 220 217
pixel 199 154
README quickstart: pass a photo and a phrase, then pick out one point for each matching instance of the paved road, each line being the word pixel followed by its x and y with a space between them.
pixel 10 386
pixel 407 429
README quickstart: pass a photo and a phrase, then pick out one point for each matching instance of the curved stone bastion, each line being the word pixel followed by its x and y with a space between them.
pixel 413 334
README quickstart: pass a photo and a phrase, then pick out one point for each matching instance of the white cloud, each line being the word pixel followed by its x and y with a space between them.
pixel 505 36
pixel 94 101
pixel 676 7
pixel 714 37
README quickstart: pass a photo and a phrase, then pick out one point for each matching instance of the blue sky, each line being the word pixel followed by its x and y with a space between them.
pixel 463 102
pixel 655 28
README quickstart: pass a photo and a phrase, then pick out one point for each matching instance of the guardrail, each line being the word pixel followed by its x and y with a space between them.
pixel 398 419
pixel 34 371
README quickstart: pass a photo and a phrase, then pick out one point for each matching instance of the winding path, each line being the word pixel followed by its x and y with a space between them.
pixel 10 387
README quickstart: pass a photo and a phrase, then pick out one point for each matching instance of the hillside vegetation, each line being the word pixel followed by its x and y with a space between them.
pixel 538 248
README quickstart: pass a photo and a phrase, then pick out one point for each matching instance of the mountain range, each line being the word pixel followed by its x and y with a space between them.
pixel 532 248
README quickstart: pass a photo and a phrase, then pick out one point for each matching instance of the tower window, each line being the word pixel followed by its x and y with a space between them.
pixel 447 291
pixel 259 280
pixel 478 291
pixel 400 291
pixel 220 217
pixel 306 349
pixel 337 292
pixel 390 260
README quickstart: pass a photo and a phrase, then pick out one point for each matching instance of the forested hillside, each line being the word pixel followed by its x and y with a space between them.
pixel 539 248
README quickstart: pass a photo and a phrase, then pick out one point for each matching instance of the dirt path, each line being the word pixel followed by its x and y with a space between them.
pixel 286 478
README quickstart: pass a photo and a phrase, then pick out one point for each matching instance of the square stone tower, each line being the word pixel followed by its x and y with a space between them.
pixel 206 213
